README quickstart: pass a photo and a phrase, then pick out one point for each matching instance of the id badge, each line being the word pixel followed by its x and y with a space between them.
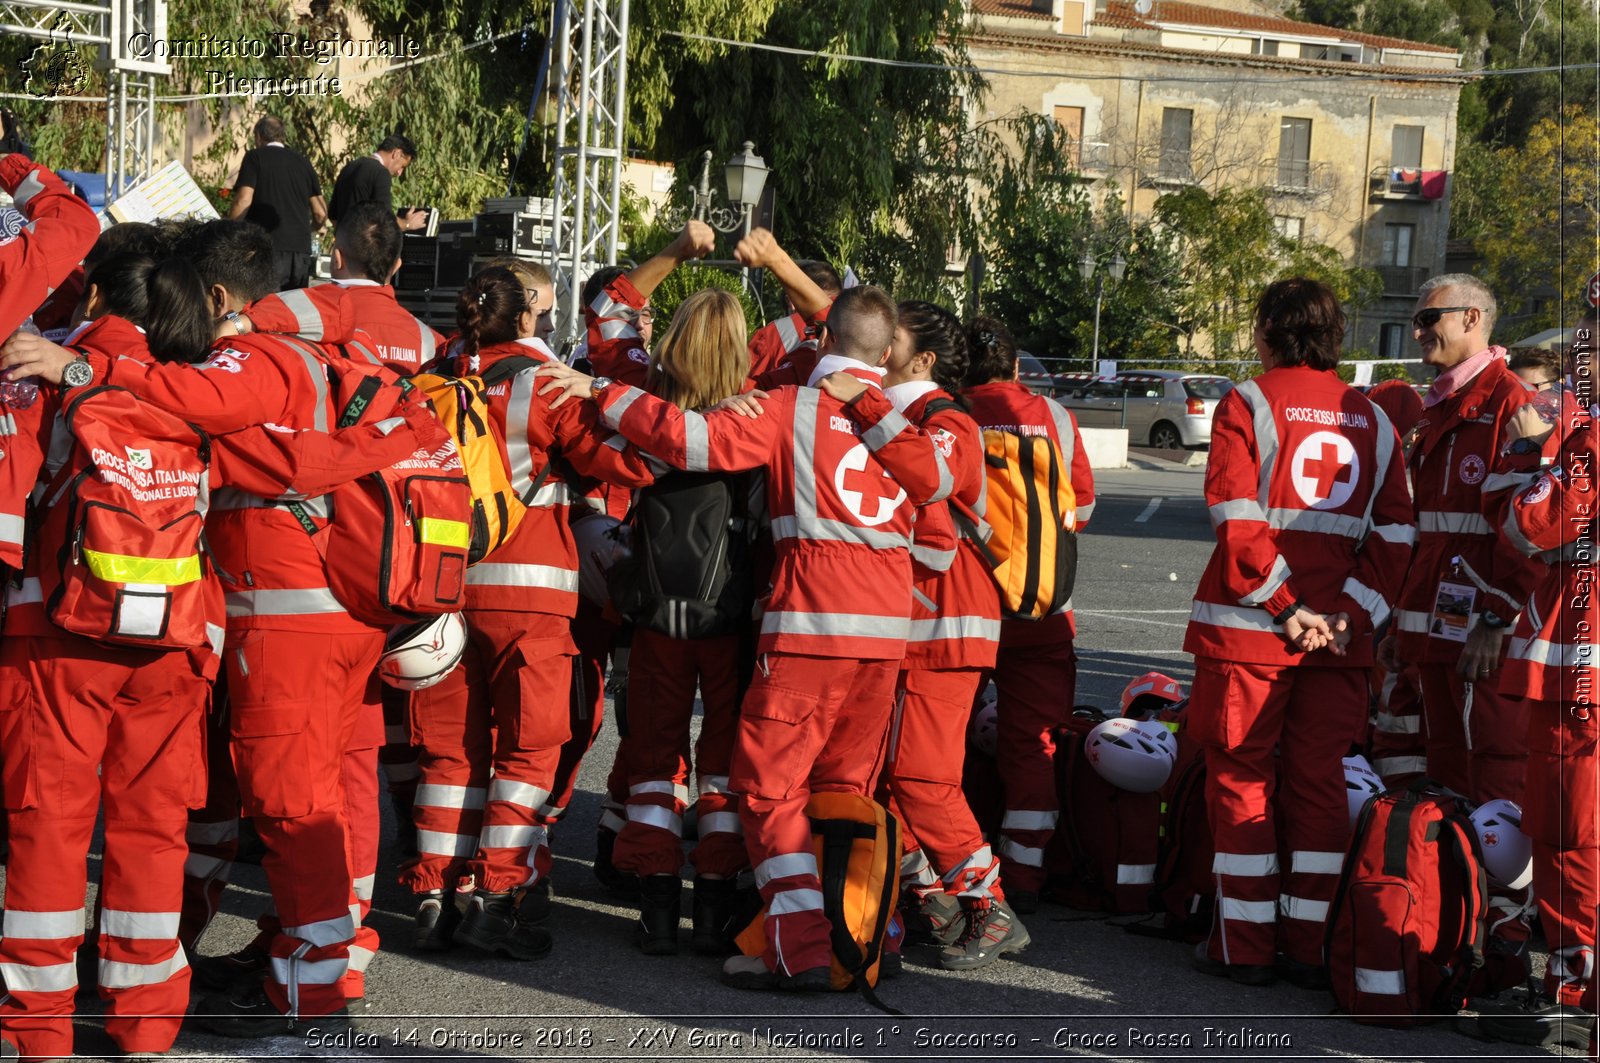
pixel 1452 611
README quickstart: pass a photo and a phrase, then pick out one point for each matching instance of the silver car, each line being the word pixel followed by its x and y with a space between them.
pixel 1162 408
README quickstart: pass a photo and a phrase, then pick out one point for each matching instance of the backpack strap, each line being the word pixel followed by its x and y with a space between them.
pixel 838 838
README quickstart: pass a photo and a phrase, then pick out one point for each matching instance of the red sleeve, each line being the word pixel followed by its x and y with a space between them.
pixel 1385 553
pixel 719 441
pixel 960 440
pixel 26 443
pixel 1512 576
pixel 328 319
pixel 906 452
pixel 276 461
pixel 615 349
pixel 61 228
pixel 222 394
pixel 1559 508
pixel 1252 570
pixel 593 449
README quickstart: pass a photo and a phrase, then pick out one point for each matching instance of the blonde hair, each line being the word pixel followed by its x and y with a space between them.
pixel 531 274
pixel 702 358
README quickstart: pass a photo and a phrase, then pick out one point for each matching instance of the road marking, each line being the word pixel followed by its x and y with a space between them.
pixel 1149 511
pixel 1146 620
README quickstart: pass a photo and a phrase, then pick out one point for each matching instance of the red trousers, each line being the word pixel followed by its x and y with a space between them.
pixel 1243 714
pixel 1399 751
pixel 505 708
pixel 82 723
pixel 593 635
pixel 663 676
pixel 213 831
pixel 1035 684
pixel 927 750
pixel 807 724
pixel 1476 737
pixel 360 778
pixel 1562 816
pixel 296 701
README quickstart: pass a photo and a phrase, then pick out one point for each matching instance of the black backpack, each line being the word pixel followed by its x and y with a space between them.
pixel 690 575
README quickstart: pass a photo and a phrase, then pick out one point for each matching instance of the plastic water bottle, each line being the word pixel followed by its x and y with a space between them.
pixel 1547 403
pixel 20 394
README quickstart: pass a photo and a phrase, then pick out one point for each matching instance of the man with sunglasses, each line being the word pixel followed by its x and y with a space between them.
pixel 1466 584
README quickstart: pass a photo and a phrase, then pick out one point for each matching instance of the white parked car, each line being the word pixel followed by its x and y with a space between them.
pixel 1162 408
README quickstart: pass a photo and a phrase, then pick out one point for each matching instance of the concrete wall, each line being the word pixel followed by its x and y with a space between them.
pixel 1107 447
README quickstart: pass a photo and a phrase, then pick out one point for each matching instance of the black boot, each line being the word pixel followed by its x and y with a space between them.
pixel 619 882
pixel 657 934
pixel 716 900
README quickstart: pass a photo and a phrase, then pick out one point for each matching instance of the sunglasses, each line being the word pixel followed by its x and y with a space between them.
pixel 646 315
pixel 1430 317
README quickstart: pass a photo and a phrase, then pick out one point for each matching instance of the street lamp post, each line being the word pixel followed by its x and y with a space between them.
pixel 1087 270
pixel 745 177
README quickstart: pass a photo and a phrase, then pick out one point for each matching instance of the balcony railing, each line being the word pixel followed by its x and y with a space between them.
pixel 1091 158
pixel 1168 166
pixel 1297 177
pixel 1402 280
pixel 1389 182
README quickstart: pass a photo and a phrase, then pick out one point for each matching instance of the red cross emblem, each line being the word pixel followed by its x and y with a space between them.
pixel 1325 470
pixel 1328 470
pixel 870 493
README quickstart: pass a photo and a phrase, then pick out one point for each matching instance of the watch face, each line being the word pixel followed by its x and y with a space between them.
pixel 77 374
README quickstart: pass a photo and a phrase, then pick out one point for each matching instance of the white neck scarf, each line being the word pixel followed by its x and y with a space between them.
pixel 836 363
pixel 904 394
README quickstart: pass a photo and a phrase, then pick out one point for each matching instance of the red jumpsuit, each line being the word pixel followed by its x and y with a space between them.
pixel 1551 656
pixel 61 228
pixel 506 708
pixel 1308 497
pixel 834 626
pixel 954 636
pixel 1036 671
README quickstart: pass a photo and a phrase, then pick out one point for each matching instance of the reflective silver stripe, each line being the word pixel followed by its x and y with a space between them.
pixel 954 627
pixel 11 528
pixel 1315 520
pixel 147 926
pixel 843 625
pixel 616 329
pixel 30 593
pixel 438 795
pixel 555 493
pixel 319 381
pixel 1026 819
pixel 677 791
pixel 1236 509
pixel 55 978
pixel 1135 874
pixel 512 836
pixel 518 793
pixel 1396 533
pixel 789 902
pixel 656 816
pixel 785 865
pixel 1380 983
pixel 1573 964
pixel 1391 724
pixel 519 453
pixel 802 524
pixel 440 843
pixel 788 333
pixel 324 932
pixel 286 971
pixel 1370 600
pixel 606 307
pixel 1503 481
pixel 1275 579
pixel 1437 522
pixel 1017 853
pixel 923 600
pixel 881 434
pixel 712 784
pixel 913 863
pixel 42 925
pixel 426 347
pixel 1246 865
pixel 119 974
pixel 834 531
pixel 1081 517
pixel 216 635
pixel 720 823
pixel 931 559
pixel 361 349
pixel 360 959
pixel 1303 908
pixel 26 190
pixel 1065 430
pixel 1386 440
pixel 1577 553
pixel 696 443
pixel 225 830
pixel 1311 862
pixel 363 887
pixel 613 413
pixel 611 821
pixel 1513 532
pixel 312 600
pixel 1387 766
pixel 1266 433
pixel 1546 653
pixel 1231 616
pixel 227 499
pixel 1249 911
pixel 307 318
pixel 981 857
pixel 503 574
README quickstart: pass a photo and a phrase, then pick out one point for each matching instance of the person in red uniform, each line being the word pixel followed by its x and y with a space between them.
pixel 1307 494
pixel 93 723
pixel 1551 656
pixel 949 875
pixel 299 668
pixel 59 232
pixel 1035 671
pixel 792 342
pixel 834 626
pixel 505 709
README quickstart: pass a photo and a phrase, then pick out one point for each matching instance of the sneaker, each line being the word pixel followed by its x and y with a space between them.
pixel 1023 902
pixel 932 918
pixel 437 919
pixel 1533 1017
pixel 1242 973
pixel 619 882
pixel 491 924
pixel 987 934
pixel 250 1014
pixel 227 973
pixel 659 906
pixel 751 972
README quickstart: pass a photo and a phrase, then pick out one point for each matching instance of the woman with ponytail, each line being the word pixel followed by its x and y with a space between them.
pixel 504 711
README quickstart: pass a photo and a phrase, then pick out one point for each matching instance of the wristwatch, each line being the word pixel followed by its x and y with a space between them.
pixel 1526 445
pixel 599 384
pixel 1492 621
pixel 1283 617
pixel 77 373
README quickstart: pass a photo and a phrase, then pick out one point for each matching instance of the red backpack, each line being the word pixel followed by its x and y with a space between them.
pixel 121 556
pixel 1185 887
pixel 1407 931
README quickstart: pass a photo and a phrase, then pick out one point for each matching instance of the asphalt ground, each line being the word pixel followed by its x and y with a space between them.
pixel 1085 988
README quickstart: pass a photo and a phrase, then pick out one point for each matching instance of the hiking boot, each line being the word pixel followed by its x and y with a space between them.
pixel 250 1014
pixel 536 901
pixel 1023 902
pixel 750 972
pixel 226 974
pixel 491 924
pixel 987 934
pixel 659 906
pixel 1533 1017
pixel 1242 973
pixel 1304 975
pixel 717 902
pixel 437 919
pixel 932 918
pixel 621 883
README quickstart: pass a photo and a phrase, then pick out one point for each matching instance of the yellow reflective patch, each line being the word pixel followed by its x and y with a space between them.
pixel 124 568
pixel 438 532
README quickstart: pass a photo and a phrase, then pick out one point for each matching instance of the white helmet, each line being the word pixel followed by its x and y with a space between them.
pixel 419 655
pixel 602 541
pixel 1507 852
pixel 1361 784
pixel 1131 754
pixel 983 733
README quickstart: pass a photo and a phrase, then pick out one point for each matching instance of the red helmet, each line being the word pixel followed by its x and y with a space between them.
pixel 1152 685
